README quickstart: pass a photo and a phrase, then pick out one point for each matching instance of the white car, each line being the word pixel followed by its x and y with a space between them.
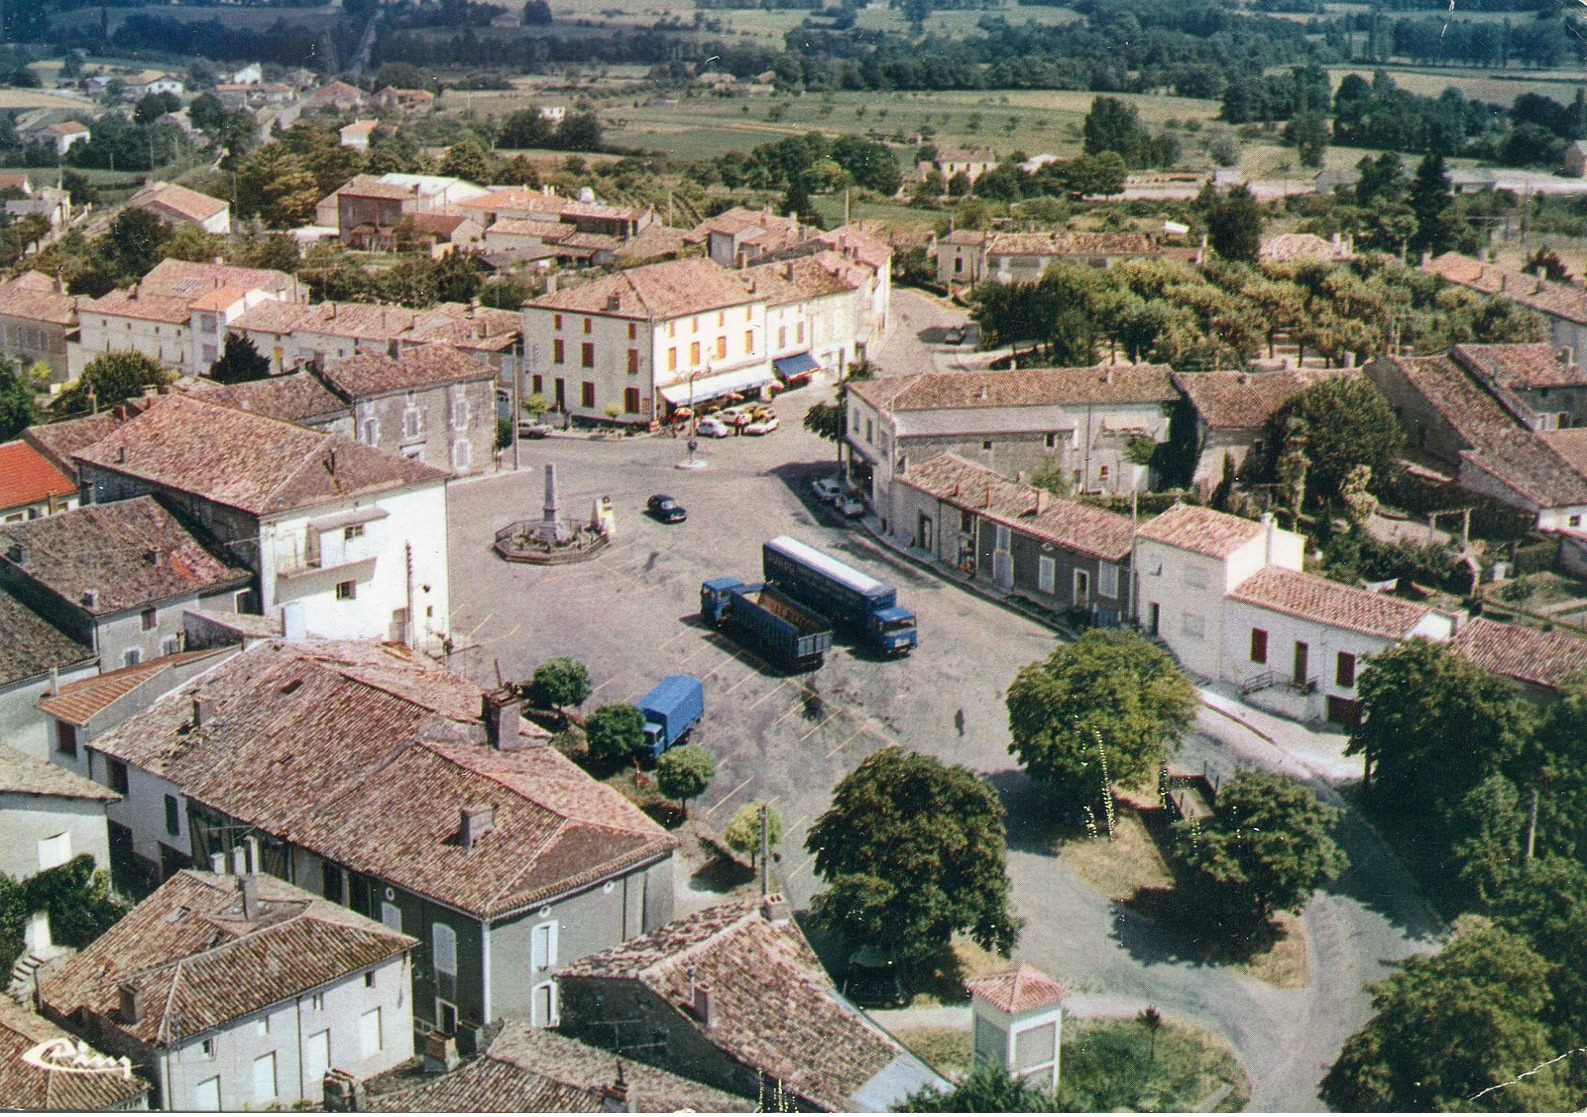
pixel 712 427
pixel 762 426
pixel 827 489
pixel 850 506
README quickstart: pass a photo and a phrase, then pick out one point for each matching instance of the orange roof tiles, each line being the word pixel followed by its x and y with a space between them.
pixel 1545 659
pixel 35 296
pixel 177 201
pixel 1314 598
pixel 1202 530
pixel 1018 990
pixel 654 292
pixel 79 701
pixel 27 477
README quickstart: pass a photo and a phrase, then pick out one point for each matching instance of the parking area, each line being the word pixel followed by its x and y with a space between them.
pixel 631 616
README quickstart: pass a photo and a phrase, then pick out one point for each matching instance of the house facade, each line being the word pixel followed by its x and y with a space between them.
pixel 1232 411
pixel 38 322
pixel 1562 305
pixel 34 656
pixel 48 816
pixel 968 257
pixel 177 205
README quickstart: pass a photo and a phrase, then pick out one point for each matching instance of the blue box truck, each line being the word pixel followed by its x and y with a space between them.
pixel 867 606
pixel 788 633
pixel 672 707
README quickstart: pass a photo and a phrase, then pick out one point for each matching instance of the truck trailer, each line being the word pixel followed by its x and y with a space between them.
pixel 788 633
pixel 866 606
pixel 672 707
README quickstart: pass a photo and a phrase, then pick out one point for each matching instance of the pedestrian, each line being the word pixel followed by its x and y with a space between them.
pixel 958 720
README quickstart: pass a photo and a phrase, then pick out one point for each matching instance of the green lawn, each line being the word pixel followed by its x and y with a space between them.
pixel 1112 1066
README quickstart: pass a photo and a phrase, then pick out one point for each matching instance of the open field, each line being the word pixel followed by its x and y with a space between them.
pixel 39 99
pixel 1477 85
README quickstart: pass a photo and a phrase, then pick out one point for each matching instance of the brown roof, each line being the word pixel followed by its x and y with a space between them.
pixel 1025 387
pixel 77 702
pixel 200 963
pixel 67 128
pixel 296 397
pixel 652 240
pixel 1070 244
pixel 30 1084
pixel 179 201
pixel 738 219
pixel 1314 598
pixel 1070 524
pixel 536 1070
pixel 59 442
pixel 27 297
pixel 246 461
pixel 1531 365
pixel 129 554
pixel 655 291
pixel 140 305
pixel 437 224
pixel 387 801
pixel 859 243
pixel 28 477
pixel 370 186
pixel 423 366
pixel 1245 400
pixel 1560 300
pixel 360 321
pixel 1300 246
pixel 1202 530
pixel 186 280
pixel 1545 659
pixel 32 645
pixel 1019 989
pixel 808 277
pixel 771 1001
pixel 21 774
pixel 335 92
pixel 552 231
pixel 467 327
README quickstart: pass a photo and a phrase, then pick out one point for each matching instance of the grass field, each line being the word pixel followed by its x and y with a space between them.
pixel 1478 85
pixel 40 99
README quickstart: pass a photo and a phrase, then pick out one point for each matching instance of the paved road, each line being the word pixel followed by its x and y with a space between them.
pixel 631 616
pixel 914 341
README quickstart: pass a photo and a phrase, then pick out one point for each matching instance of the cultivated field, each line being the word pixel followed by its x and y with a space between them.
pixel 39 99
pixel 1477 85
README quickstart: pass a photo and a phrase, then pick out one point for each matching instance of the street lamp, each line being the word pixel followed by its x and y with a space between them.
pixel 694 424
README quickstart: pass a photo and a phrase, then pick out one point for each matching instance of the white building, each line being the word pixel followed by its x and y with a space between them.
pixel 48 816
pixel 251 74
pixel 178 205
pixel 240 992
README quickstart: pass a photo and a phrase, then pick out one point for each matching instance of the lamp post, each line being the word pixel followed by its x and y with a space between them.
pixel 691 462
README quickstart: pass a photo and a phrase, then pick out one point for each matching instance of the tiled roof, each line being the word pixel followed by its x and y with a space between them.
pixel 128 553
pixel 1070 524
pixel 21 774
pixel 1561 300
pixel 370 186
pixel 221 298
pixel 771 1003
pixel 536 1070
pixel 1202 530
pixel 739 218
pixel 200 963
pixel 28 477
pixel 465 327
pixel 1245 400
pixel 26 1085
pixel 808 277
pixel 1314 598
pixel 186 280
pixel 179 201
pixel 550 231
pixel 67 128
pixel 27 297
pixel 1070 244
pixel 1025 387
pixel 360 128
pixel 76 702
pixel 1545 659
pixel 387 802
pixel 32 645
pixel 1021 988
pixel 438 224
pixel 655 291
pixel 423 366
pixel 296 397
pixel 59 442
pixel 1532 365
pixel 967 237
pixel 858 243
pixel 361 321
pixel 1299 246
pixel 246 461
pixel 652 240
pixel 139 305
pixel 333 93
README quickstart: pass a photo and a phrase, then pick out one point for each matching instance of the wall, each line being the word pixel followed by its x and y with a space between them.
pixel 428 414
pixel 1188 589
pixel 166 342
pixel 28 340
pixel 141 810
pixel 26 819
pixel 1425 428
pixel 23 725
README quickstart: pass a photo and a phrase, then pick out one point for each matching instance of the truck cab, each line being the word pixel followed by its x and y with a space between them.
pixel 892 631
pixel 716 594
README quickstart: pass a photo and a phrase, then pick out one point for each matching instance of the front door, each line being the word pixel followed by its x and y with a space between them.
pixel 1344 711
pixel 923 533
pixel 1302 654
pixel 1003 569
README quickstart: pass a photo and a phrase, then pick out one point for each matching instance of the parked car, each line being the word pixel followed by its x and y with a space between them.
pixel 871 979
pixel 528 428
pixel 712 427
pixel 764 425
pixel 665 509
pixel 954 336
pixel 851 505
pixel 826 489
pixel 733 416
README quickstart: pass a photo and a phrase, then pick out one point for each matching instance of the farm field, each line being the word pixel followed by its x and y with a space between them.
pixel 39 99
pixel 1477 85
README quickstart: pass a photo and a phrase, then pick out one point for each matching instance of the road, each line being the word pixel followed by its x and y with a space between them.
pixel 630 615
pixel 914 341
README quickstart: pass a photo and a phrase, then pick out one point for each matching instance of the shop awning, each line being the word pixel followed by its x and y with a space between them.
pixel 800 364
pixel 709 387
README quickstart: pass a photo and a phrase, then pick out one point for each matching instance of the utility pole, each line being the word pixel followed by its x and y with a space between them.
pixel 765 847
pixel 1531 825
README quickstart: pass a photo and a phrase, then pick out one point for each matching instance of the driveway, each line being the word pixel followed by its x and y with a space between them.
pixel 630 615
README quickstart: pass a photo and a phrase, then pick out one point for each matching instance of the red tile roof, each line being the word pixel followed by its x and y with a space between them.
pixel 29 1083
pixel 1246 400
pixel 1559 300
pixel 296 397
pixel 1020 989
pixel 177 201
pixel 77 702
pixel 28 477
pixel 1315 598
pixel 1202 530
pixel 422 366
pixel 1026 387
pixel 34 296
pixel 1545 659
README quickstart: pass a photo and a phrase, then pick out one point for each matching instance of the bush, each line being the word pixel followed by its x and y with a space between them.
pixel 615 731
pixel 559 682
pixel 684 773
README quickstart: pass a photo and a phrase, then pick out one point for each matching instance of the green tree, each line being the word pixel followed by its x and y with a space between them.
pixel 1554 763
pixel 743 832
pixel 1234 225
pixel 1547 903
pixel 1104 710
pixel 108 379
pixel 18 408
pixel 1488 824
pixel 134 244
pixel 240 362
pixel 559 682
pixel 1348 423
pixel 1293 465
pixel 1457 1030
pixel 1308 131
pixel 277 186
pixel 988 1088
pixel 913 850
pixel 467 160
pixel 684 773
pixel 155 105
pixel 1265 849
pixel 1432 199
pixel 615 731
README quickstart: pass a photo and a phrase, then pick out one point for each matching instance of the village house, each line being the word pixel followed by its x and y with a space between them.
pixel 1093 423
pixel 152 81
pixel 31 485
pixel 38 322
pixel 1542 664
pixel 34 656
pixel 1563 306
pixel 817 312
pixel 117 577
pixel 358 134
pixel 62 136
pixel 49 202
pixel 647 339
pixel 233 992
pixel 437 812
pixel 48 816
pixel 1069 558
pixel 733 996
pixel 367 208
pixel 969 257
pixel 523 203
pixel 490 336
pixel 409 100
pixel 251 74
pixel 42 1067
pixel 337 96
pixel 949 162
pixel 735 237
pixel 177 205
pixel 341 537
pixel 293 397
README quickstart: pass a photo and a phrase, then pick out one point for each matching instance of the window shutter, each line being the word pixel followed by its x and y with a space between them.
pixel 443 948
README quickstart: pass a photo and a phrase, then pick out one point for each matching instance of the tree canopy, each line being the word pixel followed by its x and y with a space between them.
pixel 684 773
pixel 559 682
pixel 17 408
pixel 1348 423
pixel 615 731
pixel 913 850
pixel 109 379
pixel 743 832
pixel 1103 710
pixel 240 362
pixel 988 1088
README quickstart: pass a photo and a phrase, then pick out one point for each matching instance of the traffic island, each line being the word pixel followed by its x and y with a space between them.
pixel 552 540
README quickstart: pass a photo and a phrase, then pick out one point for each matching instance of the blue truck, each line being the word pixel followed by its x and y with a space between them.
pixel 672 707
pixel 790 634
pixel 865 605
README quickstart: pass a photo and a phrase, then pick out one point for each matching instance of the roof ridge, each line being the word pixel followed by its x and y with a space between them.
pixel 669 960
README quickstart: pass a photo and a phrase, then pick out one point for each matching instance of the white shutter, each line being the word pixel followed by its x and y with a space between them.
pixel 316 1060
pixel 391 915
pixel 206 1095
pixel 369 1033
pixel 543 947
pixel 443 948
pixel 1108 580
pixel 1045 574
pixel 55 850
pixel 264 1079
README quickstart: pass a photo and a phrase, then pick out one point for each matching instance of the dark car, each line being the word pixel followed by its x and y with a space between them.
pixel 665 509
pixel 871 979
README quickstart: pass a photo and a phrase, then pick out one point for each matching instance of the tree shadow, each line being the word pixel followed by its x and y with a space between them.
pixel 721 874
pixel 1386 871
pixel 1034 823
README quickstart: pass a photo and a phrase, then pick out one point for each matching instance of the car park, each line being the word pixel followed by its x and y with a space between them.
pixel 827 489
pixel 666 509
pixel 712 427
pixel 764 425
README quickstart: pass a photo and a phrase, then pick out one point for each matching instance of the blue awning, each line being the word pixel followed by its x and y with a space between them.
pixel 800 364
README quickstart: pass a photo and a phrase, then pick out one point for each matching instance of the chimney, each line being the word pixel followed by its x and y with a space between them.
pixel 776 909
pixel 55 681
pixel 342 1093
pixel 1350 358
pixel 440 1053
pixel 131 1006
pixel 132 292
pixel 91 599
pixel 217 862
pixel 248 885
pixel 121 455
pixel 477 822
pixel 203 711
pixel 152 556
pixel 18 554
pixel 702 1005
pixel 787 270
pixel 499 712
pixel 615 1098
pixel 1567 356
